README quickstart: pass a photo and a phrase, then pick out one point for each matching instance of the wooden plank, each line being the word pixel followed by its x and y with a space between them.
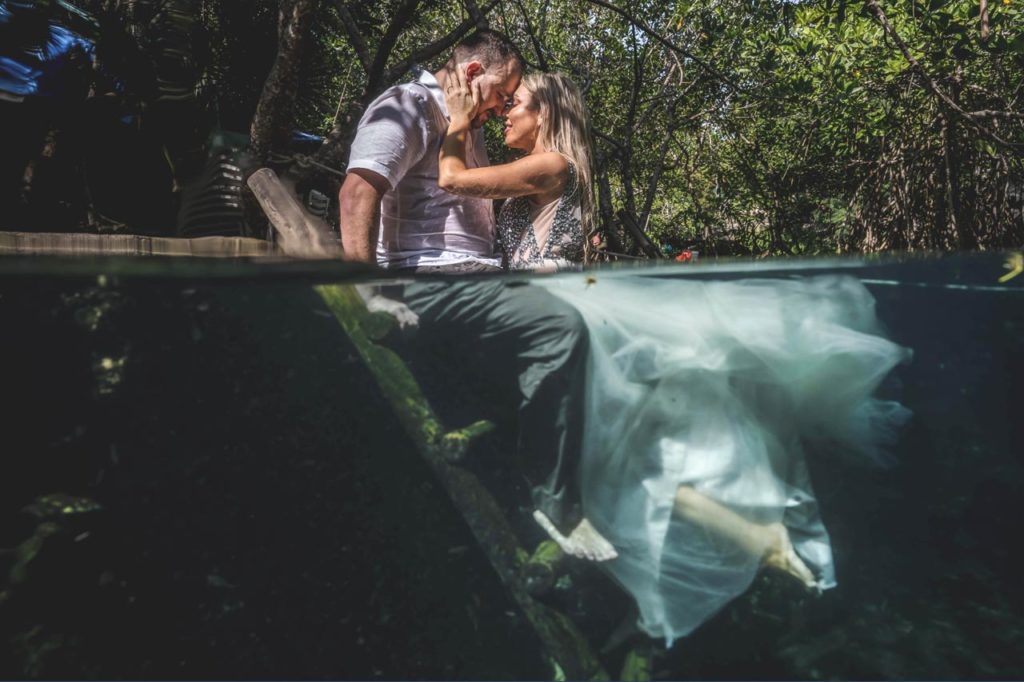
pixel 62 244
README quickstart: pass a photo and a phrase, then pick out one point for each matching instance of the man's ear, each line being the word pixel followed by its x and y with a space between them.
pixel 473 69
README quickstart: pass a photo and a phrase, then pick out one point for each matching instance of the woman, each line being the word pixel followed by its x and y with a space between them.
pixel 702 399
pixel 701 396
pixel 543 223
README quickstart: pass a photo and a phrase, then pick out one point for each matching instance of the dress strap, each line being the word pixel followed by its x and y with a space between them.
pixel 574 177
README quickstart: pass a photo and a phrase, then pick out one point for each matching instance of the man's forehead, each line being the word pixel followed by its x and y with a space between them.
pixel 510 77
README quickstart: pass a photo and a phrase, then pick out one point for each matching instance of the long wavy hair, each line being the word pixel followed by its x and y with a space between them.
pixel 565 128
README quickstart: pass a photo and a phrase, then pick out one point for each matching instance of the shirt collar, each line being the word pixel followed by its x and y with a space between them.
pixel 427 80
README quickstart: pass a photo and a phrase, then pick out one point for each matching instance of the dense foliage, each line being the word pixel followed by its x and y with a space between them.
pixel 737 127
pixel 761 127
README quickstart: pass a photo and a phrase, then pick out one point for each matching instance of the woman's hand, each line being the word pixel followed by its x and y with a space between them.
pixel 462 97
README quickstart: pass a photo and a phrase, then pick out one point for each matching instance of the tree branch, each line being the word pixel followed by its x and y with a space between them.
pixel 876 11
pixel 479 18
pixel 982 114
pixel 537 47
pixel 438 46
pixel 652 181
pixel 619 146
pixel 376 74
pixel 355 38
pixel 666 42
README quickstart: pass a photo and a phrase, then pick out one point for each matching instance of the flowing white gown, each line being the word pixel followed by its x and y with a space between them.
pixel 720 385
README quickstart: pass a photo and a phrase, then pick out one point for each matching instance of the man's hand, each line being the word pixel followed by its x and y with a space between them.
pixel 408 321
pixel 359 204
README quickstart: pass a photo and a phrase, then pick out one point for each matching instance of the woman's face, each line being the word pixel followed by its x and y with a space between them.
pixel 522 121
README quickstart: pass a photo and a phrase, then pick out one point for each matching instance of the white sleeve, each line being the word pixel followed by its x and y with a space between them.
pixel 392 134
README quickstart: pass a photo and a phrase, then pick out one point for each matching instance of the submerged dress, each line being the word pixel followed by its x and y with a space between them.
pixel 721 386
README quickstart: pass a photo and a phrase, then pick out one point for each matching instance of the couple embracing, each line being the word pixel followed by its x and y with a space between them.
pixel 419 197
pixel 419 158
pixel 662 422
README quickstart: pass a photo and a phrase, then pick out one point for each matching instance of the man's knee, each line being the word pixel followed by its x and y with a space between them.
pixel 572 322
pixel 570 330
pixel 554 318
pixel 553 358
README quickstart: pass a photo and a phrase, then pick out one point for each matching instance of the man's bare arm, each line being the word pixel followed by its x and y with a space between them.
pixel 360 221
pixel 359 201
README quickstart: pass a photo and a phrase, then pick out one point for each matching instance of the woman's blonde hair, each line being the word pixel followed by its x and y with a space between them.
pixel 564 128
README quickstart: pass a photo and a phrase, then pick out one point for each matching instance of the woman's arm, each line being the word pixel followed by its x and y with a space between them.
pixel 534 174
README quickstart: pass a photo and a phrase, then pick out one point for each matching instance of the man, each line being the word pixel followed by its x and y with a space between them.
pixel 394 214
pixel 393 168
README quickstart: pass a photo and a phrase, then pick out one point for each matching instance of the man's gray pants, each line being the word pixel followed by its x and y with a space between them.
pixel 549 342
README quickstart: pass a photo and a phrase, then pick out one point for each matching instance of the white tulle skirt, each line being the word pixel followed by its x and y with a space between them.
pixel 720 386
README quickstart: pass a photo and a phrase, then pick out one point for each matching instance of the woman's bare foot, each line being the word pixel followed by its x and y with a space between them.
pixel 781 556
pixel 583 542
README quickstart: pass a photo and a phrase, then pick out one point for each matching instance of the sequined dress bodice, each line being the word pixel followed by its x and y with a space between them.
pixel 520 222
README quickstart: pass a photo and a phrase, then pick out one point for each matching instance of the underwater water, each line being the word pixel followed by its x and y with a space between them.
pixel 202 479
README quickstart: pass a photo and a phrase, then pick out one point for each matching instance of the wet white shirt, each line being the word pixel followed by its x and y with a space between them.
pixel 399 137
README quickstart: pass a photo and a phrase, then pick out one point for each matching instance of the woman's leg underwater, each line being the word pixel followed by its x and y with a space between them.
pixel 770 541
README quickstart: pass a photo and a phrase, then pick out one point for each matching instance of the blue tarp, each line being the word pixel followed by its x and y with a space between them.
pixel 42 71
pixel 299 137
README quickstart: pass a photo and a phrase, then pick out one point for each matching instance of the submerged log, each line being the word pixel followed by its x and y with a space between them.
pixel 638 664
pixel 566 646
pixel 541 570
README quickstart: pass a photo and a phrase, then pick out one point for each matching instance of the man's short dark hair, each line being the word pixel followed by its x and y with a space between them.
pixel 491 48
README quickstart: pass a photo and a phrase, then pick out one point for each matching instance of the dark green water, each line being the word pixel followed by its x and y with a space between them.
pixel 239 501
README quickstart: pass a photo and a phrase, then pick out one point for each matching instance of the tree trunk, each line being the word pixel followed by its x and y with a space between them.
pixel 606 213
pixel 643 242
pixel 274 114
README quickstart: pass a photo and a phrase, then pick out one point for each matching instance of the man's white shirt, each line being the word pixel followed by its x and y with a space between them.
pixel 399 137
